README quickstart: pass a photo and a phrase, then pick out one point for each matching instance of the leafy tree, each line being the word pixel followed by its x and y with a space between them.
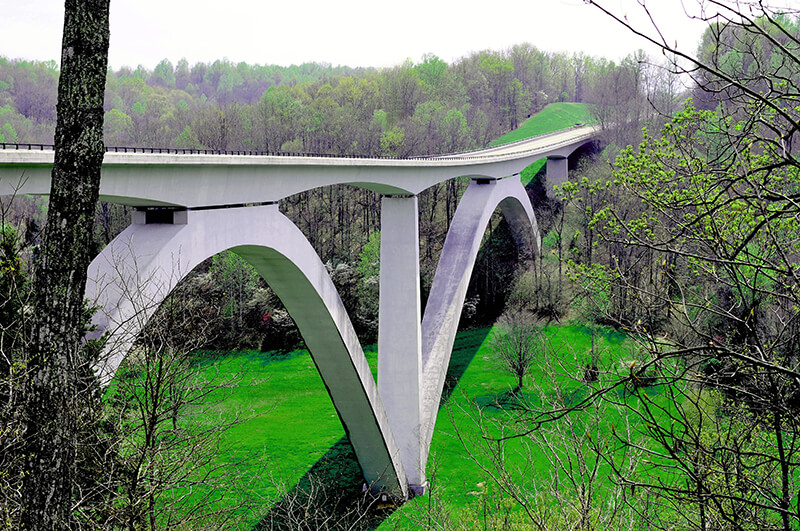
pixel 118 128
pixel 392 141
pixel 187 139
pixel 164 74
pixel 368 288
pixel 402 89
pixel 8 134
pixel 454 131
pixel 238 280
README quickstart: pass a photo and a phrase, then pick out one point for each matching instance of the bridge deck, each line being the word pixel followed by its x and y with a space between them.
pixel 198 180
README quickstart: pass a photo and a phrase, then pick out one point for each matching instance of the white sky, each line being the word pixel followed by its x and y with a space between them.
pixel 348 32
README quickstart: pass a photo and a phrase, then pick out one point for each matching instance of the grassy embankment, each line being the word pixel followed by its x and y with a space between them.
pixel 552 118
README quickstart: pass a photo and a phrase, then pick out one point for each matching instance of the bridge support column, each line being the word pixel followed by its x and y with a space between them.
pixel 399 332
pixel 557 172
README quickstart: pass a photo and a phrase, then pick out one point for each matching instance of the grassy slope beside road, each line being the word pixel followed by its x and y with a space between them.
pixel 554 117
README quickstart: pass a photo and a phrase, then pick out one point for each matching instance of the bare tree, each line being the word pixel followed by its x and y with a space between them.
pixel 163 406
pixel 572 491
pixel 518 342
pixel 717 226
pixel 13 296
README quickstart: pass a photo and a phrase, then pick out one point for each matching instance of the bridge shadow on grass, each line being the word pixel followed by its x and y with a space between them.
pixel 331 494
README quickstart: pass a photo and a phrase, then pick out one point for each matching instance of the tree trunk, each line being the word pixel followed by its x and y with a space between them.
pixel 56 358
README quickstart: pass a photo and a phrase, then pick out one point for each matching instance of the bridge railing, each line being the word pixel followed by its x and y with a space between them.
pixel 189 151
pixel 26 147
pixel 506 145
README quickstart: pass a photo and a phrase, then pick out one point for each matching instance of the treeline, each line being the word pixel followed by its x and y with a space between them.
pixel 413 108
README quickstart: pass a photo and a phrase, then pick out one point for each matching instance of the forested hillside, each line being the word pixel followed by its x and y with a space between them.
pixel 414 108
pixel 411 109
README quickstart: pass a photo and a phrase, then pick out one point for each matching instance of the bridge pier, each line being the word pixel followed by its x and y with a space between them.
pixel 399 332
pixel 557 173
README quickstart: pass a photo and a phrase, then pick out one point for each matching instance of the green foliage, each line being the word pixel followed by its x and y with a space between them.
pixel 8 134
pixel 237 280
pixel 366 318
pixel 292 146
pixel 369 259
pixel 721 229
pixel 454 131
pixel 432 70
pixel 163 74
pixel 187 140
pixel 139 108
pixel 392 141
pixel 118 128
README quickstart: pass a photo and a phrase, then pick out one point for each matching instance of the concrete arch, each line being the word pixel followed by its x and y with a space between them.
pixel 453 273
pixel 131 277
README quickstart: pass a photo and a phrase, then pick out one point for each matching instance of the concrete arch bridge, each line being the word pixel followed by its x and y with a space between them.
pixel 190 206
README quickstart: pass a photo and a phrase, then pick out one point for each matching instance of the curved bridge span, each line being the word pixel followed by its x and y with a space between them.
pixel 199 180
pixel 207 203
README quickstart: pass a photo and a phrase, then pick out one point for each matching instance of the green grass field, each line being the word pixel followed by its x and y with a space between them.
pixel 293 431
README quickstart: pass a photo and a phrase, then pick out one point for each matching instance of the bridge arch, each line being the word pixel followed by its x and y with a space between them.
pixel 134 274
pixel 453 274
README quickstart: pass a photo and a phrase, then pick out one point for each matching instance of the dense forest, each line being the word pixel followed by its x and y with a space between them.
pixel 423 108
pixel 411 109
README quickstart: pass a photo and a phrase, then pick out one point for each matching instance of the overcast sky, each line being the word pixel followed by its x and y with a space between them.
pixel 341 32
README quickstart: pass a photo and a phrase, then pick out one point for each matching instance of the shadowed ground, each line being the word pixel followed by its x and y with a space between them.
pixel 331 494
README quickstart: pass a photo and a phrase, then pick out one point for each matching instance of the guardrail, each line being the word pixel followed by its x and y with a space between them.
pixel 28 147
pixel 181 151
pixel 6 146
